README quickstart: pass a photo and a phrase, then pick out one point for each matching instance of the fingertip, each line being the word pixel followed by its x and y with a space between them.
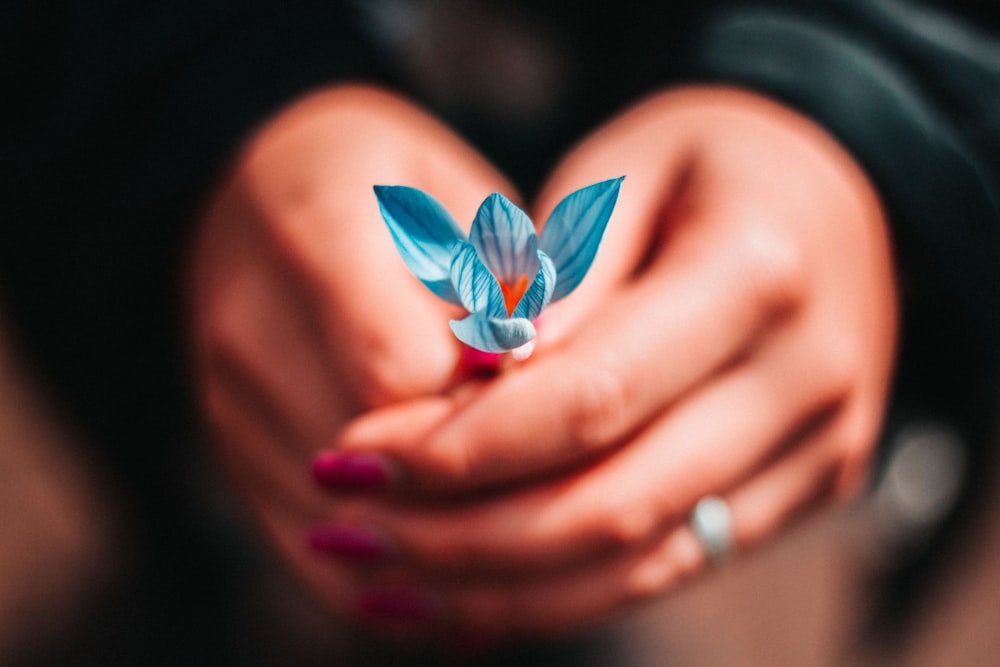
pixel 386 448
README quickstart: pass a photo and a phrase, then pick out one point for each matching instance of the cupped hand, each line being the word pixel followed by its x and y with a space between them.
pixel 301 314
pixel 735 337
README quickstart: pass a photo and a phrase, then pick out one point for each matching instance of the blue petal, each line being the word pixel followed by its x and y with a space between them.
pixel 540 292
pixel 425 234
pixel 491 334
pixel 506 239
pixel 476 287
pixel 574 231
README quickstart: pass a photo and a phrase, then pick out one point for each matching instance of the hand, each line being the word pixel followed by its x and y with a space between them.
pixel 736 337
pixel 302 315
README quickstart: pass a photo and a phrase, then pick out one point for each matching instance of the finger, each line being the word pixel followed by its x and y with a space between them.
pixel 256 450
pixel 570 599
pixel 269 478
pixel 591 593
pixel 257 447
pixel 655 160
pixel 248 315
pixel 717 437
pixel 789 487
pixel 662 336
pixel 567 598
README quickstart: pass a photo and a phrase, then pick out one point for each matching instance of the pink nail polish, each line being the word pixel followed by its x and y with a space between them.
pixel 350 542
pixel 394 605
pixel 354 471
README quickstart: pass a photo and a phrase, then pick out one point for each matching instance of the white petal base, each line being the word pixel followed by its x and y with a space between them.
pixel 523 352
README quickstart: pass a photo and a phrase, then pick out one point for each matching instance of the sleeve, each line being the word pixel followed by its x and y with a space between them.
pixel 914 94
pixel 124 116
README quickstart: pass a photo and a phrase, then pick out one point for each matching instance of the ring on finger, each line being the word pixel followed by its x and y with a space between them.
pixel 712 523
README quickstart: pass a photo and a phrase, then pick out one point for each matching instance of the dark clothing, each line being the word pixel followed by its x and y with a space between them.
pixel 124 117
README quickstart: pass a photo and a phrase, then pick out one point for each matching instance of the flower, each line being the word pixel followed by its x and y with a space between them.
pixel 504 274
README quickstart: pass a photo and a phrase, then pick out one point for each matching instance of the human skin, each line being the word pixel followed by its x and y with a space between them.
pixel 735 336
pixel 298 299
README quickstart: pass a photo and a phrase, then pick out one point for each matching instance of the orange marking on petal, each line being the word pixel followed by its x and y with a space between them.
pixel 512 294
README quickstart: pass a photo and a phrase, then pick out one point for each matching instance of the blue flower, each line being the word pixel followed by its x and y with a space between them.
pixel 503 273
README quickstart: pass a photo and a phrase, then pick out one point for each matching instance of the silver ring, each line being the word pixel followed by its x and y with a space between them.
pixel 712 524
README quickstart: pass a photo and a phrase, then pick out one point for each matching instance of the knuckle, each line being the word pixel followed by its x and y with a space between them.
pixel 223 317
pixel 381 382
pixel 226 316
pixel 387 370
pixel 775 269
pixel 624 527
pixel 599 409
pixel 666 565
pixel 857 436
pixel 442 467
pixel 647 579
pixel 839 369
pixel 224 363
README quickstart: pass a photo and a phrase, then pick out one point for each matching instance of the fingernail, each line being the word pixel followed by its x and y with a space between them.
pixel 354 471
pixel 394 605
pixel 351 542
pixel 475 363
